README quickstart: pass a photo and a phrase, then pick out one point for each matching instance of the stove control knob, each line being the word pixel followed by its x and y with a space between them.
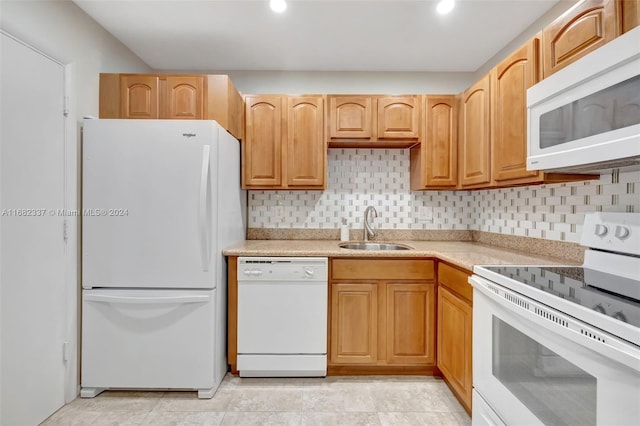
pixel 622 232
pixel 247 272
pixel 620 316
pixel 601 230
pixel 600 308
pixel 309 273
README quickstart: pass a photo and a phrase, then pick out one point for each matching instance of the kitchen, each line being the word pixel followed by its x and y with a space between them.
pixel 354 175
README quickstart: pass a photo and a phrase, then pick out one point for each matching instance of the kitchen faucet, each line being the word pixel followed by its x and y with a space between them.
pixel 368 230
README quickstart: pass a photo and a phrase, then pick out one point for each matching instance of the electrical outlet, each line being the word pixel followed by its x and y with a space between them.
pixel 425 214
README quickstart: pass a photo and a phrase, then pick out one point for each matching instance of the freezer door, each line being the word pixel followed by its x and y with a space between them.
pixel 148 204
pixel 148 339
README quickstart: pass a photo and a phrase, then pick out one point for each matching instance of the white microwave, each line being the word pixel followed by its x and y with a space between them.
pixel 586 117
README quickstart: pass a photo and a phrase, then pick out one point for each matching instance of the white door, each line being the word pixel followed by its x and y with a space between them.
pixel 32 254
pixel 148 194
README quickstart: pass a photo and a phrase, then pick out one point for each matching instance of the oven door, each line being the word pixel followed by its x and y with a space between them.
pixel 533 365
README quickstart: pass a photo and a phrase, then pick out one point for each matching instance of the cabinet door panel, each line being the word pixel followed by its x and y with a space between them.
pixel 510 81
pixel 354 323
pixel 454 343
pixel 399 117
pixel 305 141
pixel 475 145
pixel 350 117
pixel 262 151
pixel 580 30
pixel 184 97
pixel 139 96
pixel 410 316
pixel 441 141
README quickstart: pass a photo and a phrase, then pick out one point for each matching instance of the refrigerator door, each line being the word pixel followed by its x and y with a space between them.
pixel 148 204
pixel 148 339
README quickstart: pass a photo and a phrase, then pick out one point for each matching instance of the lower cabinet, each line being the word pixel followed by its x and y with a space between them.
pixel 382 314
pixel 454 331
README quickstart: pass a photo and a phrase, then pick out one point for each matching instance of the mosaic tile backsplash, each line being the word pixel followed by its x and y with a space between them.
pixel 358 178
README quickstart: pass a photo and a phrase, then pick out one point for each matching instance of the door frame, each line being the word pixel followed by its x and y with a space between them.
pixel 71 166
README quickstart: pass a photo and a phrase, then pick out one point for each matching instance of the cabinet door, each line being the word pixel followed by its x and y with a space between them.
pixel 139 96
pixel 350 117
pixel 410 321
pixel 354 323
pixel 306 147
pixel 509 83
pixel 475 146
pixel 441 141
pixel 184 97
pixel 629 13
pixel 262 150
pixel 399 117
pixel 454 343
pixel 582 29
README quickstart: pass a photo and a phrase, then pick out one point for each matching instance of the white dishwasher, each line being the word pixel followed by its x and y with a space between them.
pixel 282 316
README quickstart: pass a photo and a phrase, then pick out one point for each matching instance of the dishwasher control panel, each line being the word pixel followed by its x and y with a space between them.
pixel 298 269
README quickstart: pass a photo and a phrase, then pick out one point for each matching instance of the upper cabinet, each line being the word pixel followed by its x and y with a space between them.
pixel 474 138
pixel 509 83
pixel 168 96
pixel 434 163
pixel 373 121
pixel 582 29
pixel 284 146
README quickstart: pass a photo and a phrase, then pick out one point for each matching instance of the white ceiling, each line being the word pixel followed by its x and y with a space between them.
pixel 315 35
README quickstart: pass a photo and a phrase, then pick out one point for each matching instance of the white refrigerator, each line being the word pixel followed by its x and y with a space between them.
pixel 161 199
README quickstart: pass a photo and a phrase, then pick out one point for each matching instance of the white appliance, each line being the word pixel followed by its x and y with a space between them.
pixel 161 199
pixel 561 344
pixel 282 316
pixel 586 117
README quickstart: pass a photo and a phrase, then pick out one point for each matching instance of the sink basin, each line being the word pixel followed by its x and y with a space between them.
pixel 374 246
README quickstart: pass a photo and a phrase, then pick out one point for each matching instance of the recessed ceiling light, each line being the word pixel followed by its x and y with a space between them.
pixel 278 6
pixel 445 6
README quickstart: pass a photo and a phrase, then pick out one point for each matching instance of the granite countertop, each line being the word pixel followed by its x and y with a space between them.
pixel 460 253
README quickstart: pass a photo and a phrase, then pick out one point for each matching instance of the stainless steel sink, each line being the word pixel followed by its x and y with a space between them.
pixel 374 246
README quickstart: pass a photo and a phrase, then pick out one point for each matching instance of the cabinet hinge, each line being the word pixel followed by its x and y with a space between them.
pixel 65 106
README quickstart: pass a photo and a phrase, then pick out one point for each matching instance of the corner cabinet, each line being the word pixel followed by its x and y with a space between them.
pixel 580 30
pixel 382 316
pixel 474 139
pixel 373 121
pixel 172 97
pixel 284 145
pixel 434 163
pixel 455 316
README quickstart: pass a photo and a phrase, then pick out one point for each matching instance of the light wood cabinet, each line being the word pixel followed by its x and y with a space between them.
pixel 582 29
pixel 184 97
pixel 172 96
pixel 455 314
pixel 629 13
pixel 374 121
pixel 139 95
pixel 434 163
pixel 474 143
pixel 509 83
pixel 382 314
pixel 262 150
pixel 284 146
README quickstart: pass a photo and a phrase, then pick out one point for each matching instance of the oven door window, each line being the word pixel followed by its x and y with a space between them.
pixel 553 389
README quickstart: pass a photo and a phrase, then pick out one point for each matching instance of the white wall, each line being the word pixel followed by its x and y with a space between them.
pixel 64 32
pixel 338 82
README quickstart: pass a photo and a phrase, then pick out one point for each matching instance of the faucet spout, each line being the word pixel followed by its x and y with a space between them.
pixel 368 230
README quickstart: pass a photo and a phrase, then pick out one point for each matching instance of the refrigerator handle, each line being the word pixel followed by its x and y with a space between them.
pixel 157 300
pixel 203 205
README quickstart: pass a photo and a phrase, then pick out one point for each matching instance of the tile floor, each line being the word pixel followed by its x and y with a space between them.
pixel 370 400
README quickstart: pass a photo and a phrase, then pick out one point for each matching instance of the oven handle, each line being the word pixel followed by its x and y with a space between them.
pixel 561 324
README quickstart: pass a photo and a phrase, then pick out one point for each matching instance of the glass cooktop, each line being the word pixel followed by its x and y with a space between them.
pixel 613 296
